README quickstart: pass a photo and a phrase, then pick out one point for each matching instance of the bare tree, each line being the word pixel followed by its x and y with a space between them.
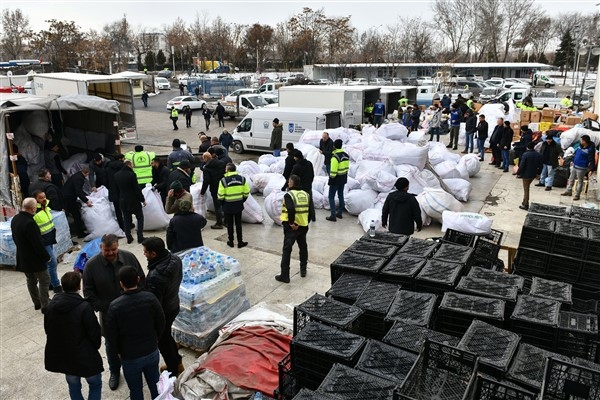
pixel 516 15
pixel 305 29
pixel 178 37
pixel 454 20
pixel 258 37
pixel 120 38
pixel 15 32
pixel 282 45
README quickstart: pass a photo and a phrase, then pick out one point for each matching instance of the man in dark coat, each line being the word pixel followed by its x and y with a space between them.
pixel 204 143
pixel 163 279
pixel 220 112
pixel 111 169
pixel 415 118
pixel 326 148
pixel 131 200
pixel 160 179
pixel 182 174
pixel 101 286
pixel 21 164
pixel 306 172
pixel 73 338
pixel 32 257
pixel 403 210
pixel 97 176
pixel 289 164
pixel 214 170
pixel 504 145
pixel 276 137
pixel 482 134
pixel 494 141
pixel 550 152
pixel 530 167
pixel 73 190
pixel 233 192
pixel 53 192
pixel 185 228
pixel 178 155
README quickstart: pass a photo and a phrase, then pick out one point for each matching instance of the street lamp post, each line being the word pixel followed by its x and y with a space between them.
pixel 256 55
pixel 595 50
pixel 181 54
pixel 173 57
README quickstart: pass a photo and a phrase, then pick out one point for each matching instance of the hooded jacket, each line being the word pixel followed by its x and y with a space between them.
pixel 403 210
pixel 276 136
pixel 163 279
pixel 72 336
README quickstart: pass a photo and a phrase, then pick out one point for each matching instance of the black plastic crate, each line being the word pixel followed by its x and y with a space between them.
pixel 401 269
pixel 356 263
pixel 348 287
pixel 527 367
pixel 590 273
pixel 584 292
pixel 351 384
pixel 441 372
pixel 486 263
pixel 487 388
pixel 536 320
pixel 486 250
pixel 497 277
pixel 412 308
pixel 317 347
pixel 582 214
pixel 457 311
pixel 485 288
pixel 564 380
pixel 411 337
pixel 288 385
pixel 548 210
pixel 454 236
pixel 569 239
pixel 385 361
pixel 583 306
pixel 552 290
pixel 438 276
pixel 307 394
pixel 578 335
pixel 537 233
pixel 375 301
pixel 328 311
pixel 453 253
pixel 386 238
pixel 563 268
pixel 495 237
pixel 531 262
pixel 592 252
pixel 419 248
pixel 373 248
pixel 494 346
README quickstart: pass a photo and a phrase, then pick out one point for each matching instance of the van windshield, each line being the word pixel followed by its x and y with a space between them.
pixel 489 91
pixel 257 101
pixel 245 125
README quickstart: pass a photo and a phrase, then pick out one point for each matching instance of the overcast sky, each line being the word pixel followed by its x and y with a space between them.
pixel 156 14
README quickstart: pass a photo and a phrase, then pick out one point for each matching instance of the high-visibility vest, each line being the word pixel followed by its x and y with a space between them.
pixel 233 187
pixel 340 163
pixel 470 104
pixel 174 113
pixel 403 100
pixel 566 102
pixel 43 218
pixel 301 201
pixel 142 165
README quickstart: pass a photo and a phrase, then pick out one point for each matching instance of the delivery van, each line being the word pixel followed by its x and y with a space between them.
pixel 254 131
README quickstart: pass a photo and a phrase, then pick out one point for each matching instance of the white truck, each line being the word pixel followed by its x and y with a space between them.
pixel 270 87
pixel 350 100
pixel 254 131
pixel 241 106
pixel 540 79
pixel 104 86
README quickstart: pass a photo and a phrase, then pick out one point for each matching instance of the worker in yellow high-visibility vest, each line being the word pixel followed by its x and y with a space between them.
pixel 142 164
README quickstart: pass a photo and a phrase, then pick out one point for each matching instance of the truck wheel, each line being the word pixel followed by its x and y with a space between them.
pixel 547 85
pixel 238 147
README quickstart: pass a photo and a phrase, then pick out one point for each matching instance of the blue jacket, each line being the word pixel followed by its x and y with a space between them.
pixel 455 118
pixel 378 108
pixel 530 164
pixel 585 158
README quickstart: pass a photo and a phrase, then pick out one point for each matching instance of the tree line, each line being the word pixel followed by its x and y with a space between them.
pixel 451 31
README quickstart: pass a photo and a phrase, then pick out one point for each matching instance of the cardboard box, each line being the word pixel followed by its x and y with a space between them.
pixel 548 119
pixel 554 125
pixel 525 116
pixel 535 116
pixel 544 126
pixel 477 106
pixel 590 115
pixel 573 120
pixel 548 112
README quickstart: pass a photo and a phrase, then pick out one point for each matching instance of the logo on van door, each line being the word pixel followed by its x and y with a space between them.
pixel 291 127
pixel 266 124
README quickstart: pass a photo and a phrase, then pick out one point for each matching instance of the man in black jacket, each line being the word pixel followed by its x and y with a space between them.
pixel 163 279
pixel 550 152
pixel 32 257
pixel 214 170
pixel 494 141
pixel 100 287
pixel 185 228
pixel 482 134
pixel 326 148
pixel 470 129
pixel 53 192
pixel 131 200
pixel 220 113
pixel 305 171
pixel 73 190
pixel 233 192
pixel 289 164
pixel 403 210
pixel 73 338
pixel 134 323
pixel 111 169
pixel 530 167
pixel 183 174
pixel 160 179
pixel 504 145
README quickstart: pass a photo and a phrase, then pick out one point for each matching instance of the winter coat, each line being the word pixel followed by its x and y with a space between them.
pixel 214 170
pixel 226 140
pixel 276 137
pixel 506 138
pixel 585 157
pixel 31 253
pixel 496 135
pixel 287 170
pixel 403 210
pixel 111 169
pixel 73 187
pixel 53 193
pixel 304 169
pixel 185 231
pixel 436 119
pixel 177 156
pixel 530 165
pixel 554 151
pixel 326 147
pixel 163 279
pixel 482 130
pixel 182 177
pixel 160 179
pixel 129 192
pixel 471 124
pixel 72 336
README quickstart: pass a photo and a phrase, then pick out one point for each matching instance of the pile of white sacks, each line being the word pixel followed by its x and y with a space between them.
pixel 378 157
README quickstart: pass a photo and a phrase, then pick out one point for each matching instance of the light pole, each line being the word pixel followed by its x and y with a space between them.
pixel 173 57
pixel 575 61
pixel 257 56
pixel 595 50
pixel 181 54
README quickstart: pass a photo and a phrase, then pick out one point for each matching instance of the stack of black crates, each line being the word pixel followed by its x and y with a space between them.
pixel 407 318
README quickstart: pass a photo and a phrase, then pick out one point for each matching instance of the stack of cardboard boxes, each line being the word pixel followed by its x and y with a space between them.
pixel 550 118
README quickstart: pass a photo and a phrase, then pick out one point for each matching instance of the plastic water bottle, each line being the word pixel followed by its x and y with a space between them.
pixel 372 229
pixel 258 396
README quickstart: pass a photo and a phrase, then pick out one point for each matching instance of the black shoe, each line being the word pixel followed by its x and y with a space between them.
pixel 504 170
pixel 229 243
pixel 140 240
pixel 43 310
pixel 514 173
pixel 113 381
pixel 50 287
pixel 36 307
pixel 81 236
pixel 454 148
pixel 492 164
pixel 303 273
pixel 523 207
pixel 58 289
pixel 280 278
pixel 129 240
pixel 242 244
pixel 332 219
pixel 539 184
pixel 449 146
pixel 339 216
pixel 548 189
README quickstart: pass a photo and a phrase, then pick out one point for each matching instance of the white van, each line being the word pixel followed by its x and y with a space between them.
pixel 162 83
pixel 254 131
pixel 269 87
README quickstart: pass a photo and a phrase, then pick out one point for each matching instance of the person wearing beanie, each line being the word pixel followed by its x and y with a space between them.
pixel 551 152
pixel 178 155
pixel 97 176
pixel 160 179
pixel 276 137
pixel 221 154
pixel 131 201
pixel 142 164
pixel 289 164
pixel 305 171
pixel 338 176
pixel 176 194
pixel 183 174
pixel 214 170
pixel 403 210
pixel 530 167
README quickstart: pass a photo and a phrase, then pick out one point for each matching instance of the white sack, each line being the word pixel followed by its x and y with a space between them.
pixel 466 222
pixel 366 166
pixel 392 131
pixel 462 134
pixel 275 184
pixel 380 181
pixel 407 153
pixel 100 218
pixel 471 163
pixel 459 188
pixel 155 216
pixel 199 201
pixel 319 183
pixel 264 169
pixel 253 213
pixel 248 168
pixel 355 151
pixel 352 170
pixel 311 137
pixel 278 166
pixel 261 180
pixel 447 169
pixel 571 136
pixel 320 200
pixel 417 137
pixel 435 201
pixel 267 159
pixel 368 215
pixel 273 206
pixel 359 200
pixel 437 152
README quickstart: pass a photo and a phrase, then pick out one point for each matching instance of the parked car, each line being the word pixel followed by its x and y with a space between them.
pixel 358 82
pixel 323 82
pixel 489 93
pixel 162 83
pixel 232 97
pixel 181 101
pixel 379 82
pixel 165 73
pixel 495 81
pixel 478 78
